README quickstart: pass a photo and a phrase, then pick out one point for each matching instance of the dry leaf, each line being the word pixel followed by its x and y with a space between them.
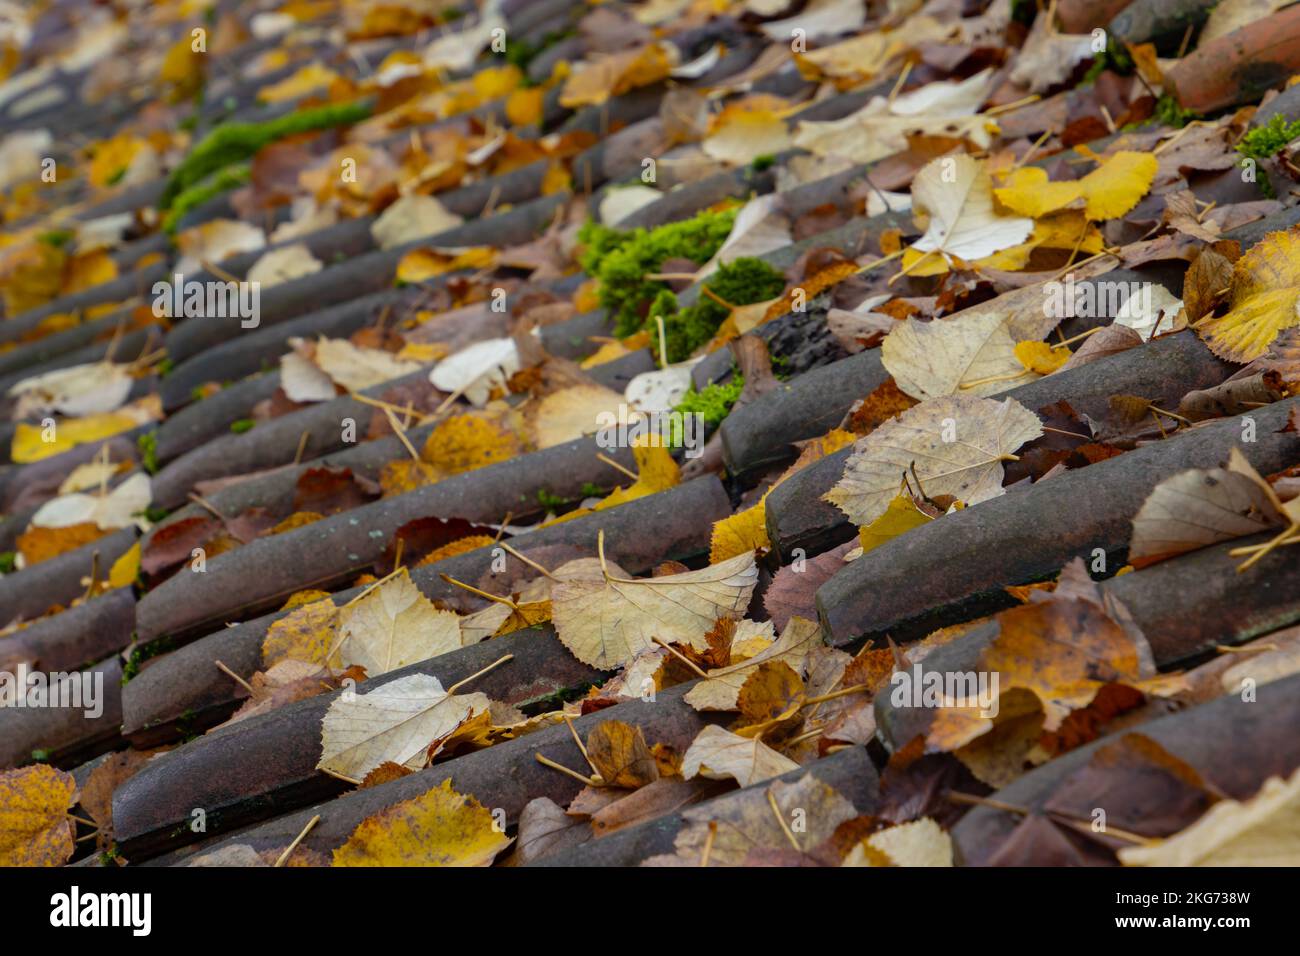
pixel 606 619
pixel 956 444
pixel 438 828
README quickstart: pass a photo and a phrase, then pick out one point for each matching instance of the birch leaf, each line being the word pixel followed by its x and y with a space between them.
pixel 1261 831
pixel 953 197
pixel 1265 298
pixel 718 754
pixel 396 722
pixel 934 359
pixel 1200 507
pixel 437 828
pixel 720 690
pixel 957 443
pixel 606 620
pixel 395 625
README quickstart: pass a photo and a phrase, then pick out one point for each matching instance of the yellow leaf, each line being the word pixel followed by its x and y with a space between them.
pixel 126 568
pixel 655 471
pixel 1265 297
pixel 303 598
pixel 745 531
pixel 29 442
pixel 309 78
pixel 308 634
pixel 459 546
pixel 40 544
pixel 497 81
pixel 524 107
pixel 587 296
pixel 901 516
pixel 35 829
pixel 182 69
pixel 1040 357
pixel 556 179
pixel 1111 190
pixel 438 828
pixel 465 442
pixel 30 275
pixel 402 475
pixel 1117 186
pixel 89 270
pixel 420 264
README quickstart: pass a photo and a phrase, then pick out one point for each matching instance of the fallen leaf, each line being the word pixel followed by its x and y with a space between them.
pixel 35 829
pixel 718 754
pixel 605 618
pixel 396 722
pixel 438 828
pixel 956 444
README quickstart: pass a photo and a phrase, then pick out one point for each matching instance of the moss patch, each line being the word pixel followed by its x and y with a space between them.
pixel 235 142
pixel 621 260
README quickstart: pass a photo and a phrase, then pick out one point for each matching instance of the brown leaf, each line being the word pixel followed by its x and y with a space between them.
pixel 621 755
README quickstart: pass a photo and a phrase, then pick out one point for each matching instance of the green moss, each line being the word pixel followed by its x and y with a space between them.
pixel 762 163
pixel 547 499
pixel 7 562
pixel 155 514
pixel 714 402
pixel 222 181
pixel 41 756
pixel 148 445
pixel 592 490
pixel 1024 11
pixel 241 425
pixel 1170 112
pixel 165 367
pixel 235 142
pixel 741 282
pixel 141 653
pixel 58 238
pixel 1265 141
pixel 622 260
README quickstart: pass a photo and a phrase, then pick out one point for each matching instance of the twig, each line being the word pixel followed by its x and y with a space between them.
pixel 479 673
pixel 236 678
pixel 780 819
pixel 548 762
pixel 280 861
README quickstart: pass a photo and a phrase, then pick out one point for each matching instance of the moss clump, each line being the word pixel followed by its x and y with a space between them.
pixel 714 402
pixel 742 282
pixel 148 445
pixel 8 561
pixel 1170 112
pixel 236 142
pixel 762 163
pixel 1267 140
pixel 622 260
pixel 139 654
pixel 223 180
pixel 241 425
